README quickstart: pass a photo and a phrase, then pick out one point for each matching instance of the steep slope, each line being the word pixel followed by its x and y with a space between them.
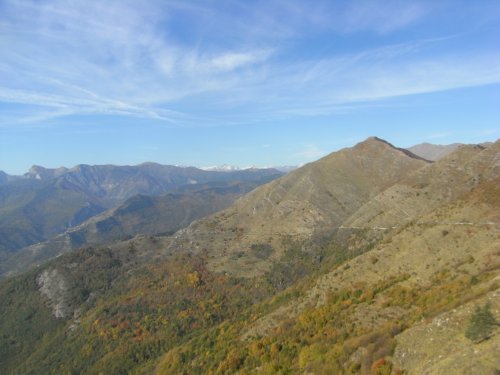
pixel 438 345
pixel 160 214
pixel 34 210
pixel 433 152
pixel 137 215
pixel 46 202
pixel 178 304
pixel 316 197
pixel 4 177
pixel 403 306
pixel 49 301
pixel 430 187
pixel 113 184
pixel 111 310
pixel 439 213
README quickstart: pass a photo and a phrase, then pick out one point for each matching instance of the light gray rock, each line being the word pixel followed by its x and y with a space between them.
pixel 54 286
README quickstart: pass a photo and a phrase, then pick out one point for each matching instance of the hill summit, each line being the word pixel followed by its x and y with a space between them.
pixel 318 196
pixel 370 260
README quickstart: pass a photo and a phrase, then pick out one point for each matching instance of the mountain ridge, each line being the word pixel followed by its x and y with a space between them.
pixel 432 151
pixel 35 209
pixel 138 215
pixel 305 274
pixel 356 174
pixel 406 151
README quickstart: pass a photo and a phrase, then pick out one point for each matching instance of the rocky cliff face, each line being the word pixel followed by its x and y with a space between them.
pixel 55 288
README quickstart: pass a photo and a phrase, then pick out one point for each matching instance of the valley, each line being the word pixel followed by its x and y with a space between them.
pixel 249 187
pixel 370 260
pixel 48 212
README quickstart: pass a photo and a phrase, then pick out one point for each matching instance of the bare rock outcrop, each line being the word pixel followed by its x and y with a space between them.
pixel 54 286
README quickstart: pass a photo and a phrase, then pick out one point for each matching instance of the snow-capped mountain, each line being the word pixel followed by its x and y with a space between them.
pixel 223 168
pixel 232 168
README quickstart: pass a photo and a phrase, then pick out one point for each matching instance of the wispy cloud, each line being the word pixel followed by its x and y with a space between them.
pixel 234 60
pixel 110 58
pixel 189 63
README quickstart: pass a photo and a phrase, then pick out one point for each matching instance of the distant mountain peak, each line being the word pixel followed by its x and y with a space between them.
pixel 433 152
pixel 41 173
pixel 375 138
pixel 376 142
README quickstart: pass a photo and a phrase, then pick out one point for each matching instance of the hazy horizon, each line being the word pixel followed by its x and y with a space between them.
pixel 228 164
pixel 254 83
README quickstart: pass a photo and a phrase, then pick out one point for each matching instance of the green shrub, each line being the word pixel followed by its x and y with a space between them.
pixel 262 250
pixel 481 324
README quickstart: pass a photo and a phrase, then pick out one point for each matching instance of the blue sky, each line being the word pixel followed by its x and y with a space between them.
pixel 241 82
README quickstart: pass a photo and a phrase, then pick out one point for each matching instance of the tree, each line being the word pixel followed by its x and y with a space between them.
pixel 481 324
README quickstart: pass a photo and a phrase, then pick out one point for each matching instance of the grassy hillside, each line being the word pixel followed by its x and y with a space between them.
pixel 315 198
pixel 403 306
pixel 303 298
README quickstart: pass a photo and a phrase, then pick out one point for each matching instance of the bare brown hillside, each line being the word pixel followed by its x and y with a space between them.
pixel 425 266
pixel 319 195
pixel 430 187
pixel 369 261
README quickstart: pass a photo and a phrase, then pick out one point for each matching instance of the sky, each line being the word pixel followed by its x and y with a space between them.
pixel 246 83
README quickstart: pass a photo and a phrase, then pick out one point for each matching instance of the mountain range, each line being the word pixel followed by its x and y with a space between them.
pixel 140 214
pixel 232 168
pixel 45 203
pixel 370 260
